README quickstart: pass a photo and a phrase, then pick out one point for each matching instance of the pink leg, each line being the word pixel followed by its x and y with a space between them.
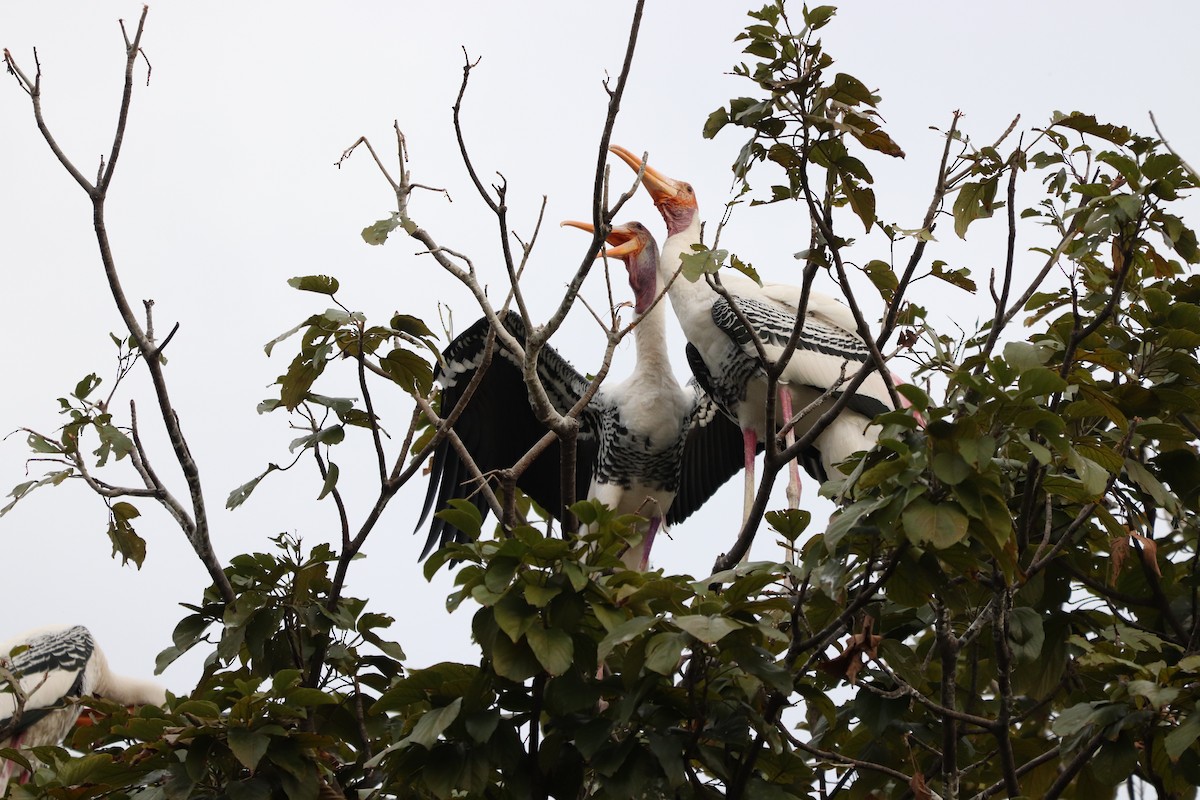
pixel 648 542
pixel 793 487
pixel 750 445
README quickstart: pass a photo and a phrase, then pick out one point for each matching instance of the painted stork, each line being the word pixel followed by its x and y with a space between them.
pixel 646 445
pixel 725 361
pixel 52 665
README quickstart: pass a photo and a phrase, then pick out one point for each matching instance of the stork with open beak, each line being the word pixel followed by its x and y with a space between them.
pixel 645 446
pixel 725 360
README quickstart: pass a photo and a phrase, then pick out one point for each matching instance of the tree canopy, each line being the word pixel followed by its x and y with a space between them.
pixel 1004 603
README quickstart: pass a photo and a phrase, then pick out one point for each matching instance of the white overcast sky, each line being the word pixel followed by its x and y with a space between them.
pixel 227 187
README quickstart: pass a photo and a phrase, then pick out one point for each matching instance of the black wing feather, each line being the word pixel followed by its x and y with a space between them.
pixel 498 426
pixel 712 454
pixel 65 651
pixel 775 327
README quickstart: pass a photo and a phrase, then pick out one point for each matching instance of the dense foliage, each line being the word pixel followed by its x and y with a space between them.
pixel 1005 603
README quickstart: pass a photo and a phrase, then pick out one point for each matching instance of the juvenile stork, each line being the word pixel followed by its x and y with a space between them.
pixel 51 666
pixel 646 445
pixel 723 356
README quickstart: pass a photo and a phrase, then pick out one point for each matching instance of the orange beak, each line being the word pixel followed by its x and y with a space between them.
pixel 623 236
pixel 660 187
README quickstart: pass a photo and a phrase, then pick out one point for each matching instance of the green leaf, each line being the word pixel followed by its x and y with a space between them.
pixel 701 262
pixel 951 468
pixel 1073 719
pixel 790 522
pixel 938 524
pixel 1159 696
pixel 378 233
pixel 408 370
pixel 112 437
pixel 625 632
pixel 862 202
pixel 242 493
pixel 1180 739
pixel 248 746
pixel 269 346
pixel 1040 382
pixel 305 696
pixel 1086 123
pixel 883 277
pixel 974 201
pixel 1025 634
pixel 332 435
pixel 553 648
pixel 708 629
pixel 429 727
pixel 663 652
pixel 331 479
pixel 124 539
pixel 955 277
pixel 40 444
pixel 850 90
pixel 86 386
pixel 514 661
pixel 413 326
pixel 716 120
pixel 744 268
pixel 513 615
pixel 463 515
pixel 434 723
pixel 818 17
pixel 321 284
pixel 915 395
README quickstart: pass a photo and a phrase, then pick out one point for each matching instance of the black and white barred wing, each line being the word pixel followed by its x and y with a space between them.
pixel 825 352
pixel 49 668
pixel 712 454
pixel 498 426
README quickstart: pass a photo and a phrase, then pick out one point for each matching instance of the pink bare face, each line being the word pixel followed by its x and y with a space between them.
pixel 634 244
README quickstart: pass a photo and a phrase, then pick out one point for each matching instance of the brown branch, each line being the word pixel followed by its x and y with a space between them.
pixel 1195 175
pixel 838 758
pixel 1068 772
pixel 1001 300
pixel 380 457
pixel 1004 693
pixel 196 526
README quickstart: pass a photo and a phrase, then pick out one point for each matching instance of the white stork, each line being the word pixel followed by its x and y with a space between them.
pixel 646 445
pixel 53 665
pixel 723 356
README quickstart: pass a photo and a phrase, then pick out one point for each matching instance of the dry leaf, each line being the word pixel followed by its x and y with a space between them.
pixel 1149 552
pixel 1118 550
pixel 848 664
pixel 919 789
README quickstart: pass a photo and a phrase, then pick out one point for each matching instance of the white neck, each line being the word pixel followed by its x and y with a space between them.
pixel 650 336
pixel 130 691
pixel 692 300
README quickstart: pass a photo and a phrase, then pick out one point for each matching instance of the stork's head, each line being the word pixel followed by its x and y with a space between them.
pixel 633 244
pixel 675 200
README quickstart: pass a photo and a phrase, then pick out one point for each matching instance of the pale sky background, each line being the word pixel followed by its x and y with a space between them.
pixel 227 187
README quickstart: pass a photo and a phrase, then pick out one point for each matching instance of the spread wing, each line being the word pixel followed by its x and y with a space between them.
pixel 498 426
pixel 712 455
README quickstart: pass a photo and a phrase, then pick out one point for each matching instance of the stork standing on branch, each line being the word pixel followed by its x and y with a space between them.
pixel 727 361
pixel 50 666
pixel 646 445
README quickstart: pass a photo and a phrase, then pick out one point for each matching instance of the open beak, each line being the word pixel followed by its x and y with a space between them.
pixel 660 187
pixel 626 241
